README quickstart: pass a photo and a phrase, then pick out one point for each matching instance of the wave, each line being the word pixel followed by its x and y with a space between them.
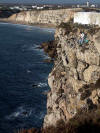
pixel 29 71
pixel 21 112
pixel 34 48
pixel 40 85
pixel 41 115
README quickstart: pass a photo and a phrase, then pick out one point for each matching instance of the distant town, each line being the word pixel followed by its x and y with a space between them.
pixel 24 7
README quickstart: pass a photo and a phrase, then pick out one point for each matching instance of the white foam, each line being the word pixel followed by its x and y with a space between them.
pixel 21 112
pixel 38 51
pixel 34 47
pixel 28 71
pixel 41 115
pixel 42 85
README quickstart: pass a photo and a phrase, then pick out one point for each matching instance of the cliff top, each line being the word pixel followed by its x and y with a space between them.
pixel 91 32
pixel 74 27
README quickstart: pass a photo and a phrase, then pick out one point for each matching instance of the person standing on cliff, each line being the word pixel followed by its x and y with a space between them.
pixel 81 40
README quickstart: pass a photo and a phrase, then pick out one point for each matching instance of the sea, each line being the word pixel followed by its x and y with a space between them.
pixel 23 76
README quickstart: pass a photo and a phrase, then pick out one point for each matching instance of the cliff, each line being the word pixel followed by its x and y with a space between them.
pixel 75 77
pixel 49 17
pixel 87 18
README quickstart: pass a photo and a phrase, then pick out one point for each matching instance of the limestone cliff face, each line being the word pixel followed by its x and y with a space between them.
pixel 44 17
pixel 75 78
pixel 87 18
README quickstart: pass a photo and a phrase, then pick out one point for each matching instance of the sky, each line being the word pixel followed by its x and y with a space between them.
pixel 48 1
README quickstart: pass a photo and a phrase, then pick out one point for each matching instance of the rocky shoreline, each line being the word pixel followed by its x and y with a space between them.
pixel 74 79
pixel 73 103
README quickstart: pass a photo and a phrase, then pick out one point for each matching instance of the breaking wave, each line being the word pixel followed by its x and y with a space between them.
pixel 21 112
pixel 42 85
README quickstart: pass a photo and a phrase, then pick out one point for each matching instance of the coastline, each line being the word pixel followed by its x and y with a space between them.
pixel 24 23
pixel 74 64
pixel 27 48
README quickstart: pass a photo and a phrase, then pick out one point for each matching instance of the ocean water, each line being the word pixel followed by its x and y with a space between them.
pixel 21 66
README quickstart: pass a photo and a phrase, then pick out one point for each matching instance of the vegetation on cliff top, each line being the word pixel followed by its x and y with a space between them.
pixel 73 27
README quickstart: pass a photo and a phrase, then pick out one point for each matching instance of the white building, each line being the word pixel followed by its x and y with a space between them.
pixel 34 6
pixel 93 5
pixel 88 18
pixel 88 3
pixel 39 8
pixel 78 6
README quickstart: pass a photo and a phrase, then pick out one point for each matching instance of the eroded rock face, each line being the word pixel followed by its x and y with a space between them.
pixel 75 78
pixel 49 17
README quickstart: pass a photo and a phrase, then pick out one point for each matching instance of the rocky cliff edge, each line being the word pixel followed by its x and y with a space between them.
pixel 75 77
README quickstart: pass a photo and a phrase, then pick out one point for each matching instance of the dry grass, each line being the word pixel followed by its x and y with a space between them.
pixel 73 27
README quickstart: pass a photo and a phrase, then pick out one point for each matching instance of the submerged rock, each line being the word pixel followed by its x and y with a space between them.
pixel 35 85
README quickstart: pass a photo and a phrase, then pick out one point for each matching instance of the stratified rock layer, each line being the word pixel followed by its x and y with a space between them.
pixel 48 17
pixel 75 78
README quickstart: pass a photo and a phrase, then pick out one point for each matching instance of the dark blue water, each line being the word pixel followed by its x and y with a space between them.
pixel 21 66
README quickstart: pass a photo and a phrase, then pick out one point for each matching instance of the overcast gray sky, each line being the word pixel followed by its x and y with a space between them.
pixel 48 1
